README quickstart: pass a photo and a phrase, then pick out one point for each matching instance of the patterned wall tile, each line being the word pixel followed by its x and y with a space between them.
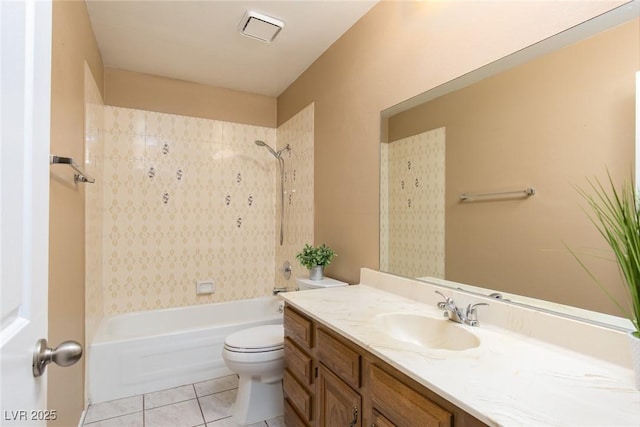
pixel 94 166
pixel 167 222
pixel 298 133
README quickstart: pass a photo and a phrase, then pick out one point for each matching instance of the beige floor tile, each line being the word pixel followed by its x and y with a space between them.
pixel 167 397
pixel 182 414
pixel 131 420
pixel 218 405
pixel 114 408
pixel 216 385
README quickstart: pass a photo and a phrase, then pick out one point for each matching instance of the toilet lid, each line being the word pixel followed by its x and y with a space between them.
pixel 260 338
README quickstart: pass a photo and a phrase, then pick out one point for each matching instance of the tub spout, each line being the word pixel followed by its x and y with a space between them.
pixel 276 291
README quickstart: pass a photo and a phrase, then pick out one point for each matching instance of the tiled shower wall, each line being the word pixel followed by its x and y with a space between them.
pixel 412 205
pixel 297 132
pixel 188 199
pixel 94 166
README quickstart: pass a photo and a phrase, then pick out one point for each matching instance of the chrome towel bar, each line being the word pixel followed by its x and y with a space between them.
pixel 526 192
pixel 80 176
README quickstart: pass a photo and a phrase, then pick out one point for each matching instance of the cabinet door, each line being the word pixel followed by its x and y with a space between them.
pixel 339 404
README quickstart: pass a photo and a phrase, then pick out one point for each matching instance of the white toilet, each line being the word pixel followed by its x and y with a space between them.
pixel 257 356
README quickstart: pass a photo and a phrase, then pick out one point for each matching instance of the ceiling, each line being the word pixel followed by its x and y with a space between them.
pixel 199 41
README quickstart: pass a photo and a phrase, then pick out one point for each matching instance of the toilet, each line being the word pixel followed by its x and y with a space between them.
pixel 257 356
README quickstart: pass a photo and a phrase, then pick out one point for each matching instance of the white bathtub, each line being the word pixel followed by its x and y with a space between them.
pixel 148 351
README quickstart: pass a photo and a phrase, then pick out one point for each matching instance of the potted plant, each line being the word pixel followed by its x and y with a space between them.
pixel 616 216
pixel 315 258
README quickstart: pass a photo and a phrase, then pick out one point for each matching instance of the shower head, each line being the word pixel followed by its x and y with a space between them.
pixel 271 150
pixel 276 154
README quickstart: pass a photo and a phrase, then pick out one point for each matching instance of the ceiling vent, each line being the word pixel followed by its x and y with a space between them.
pixel 259 26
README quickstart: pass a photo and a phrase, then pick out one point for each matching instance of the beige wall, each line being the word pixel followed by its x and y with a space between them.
pixel 551 123
pixel 73 43
pixel 397 50
pixel 164 95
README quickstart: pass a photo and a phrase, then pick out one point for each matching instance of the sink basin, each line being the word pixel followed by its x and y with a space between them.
pixel 427 332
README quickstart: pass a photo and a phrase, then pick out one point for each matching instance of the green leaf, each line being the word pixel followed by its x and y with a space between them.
pixel 616 217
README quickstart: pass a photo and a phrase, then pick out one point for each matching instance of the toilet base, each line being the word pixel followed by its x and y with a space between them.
pixel 257 401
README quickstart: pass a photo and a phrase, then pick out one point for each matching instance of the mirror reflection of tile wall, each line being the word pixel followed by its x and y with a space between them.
pixel 412 213
pixel 188 199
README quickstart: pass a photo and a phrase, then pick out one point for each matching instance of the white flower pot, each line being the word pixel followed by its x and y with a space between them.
pixel 635 357
pixel 316 273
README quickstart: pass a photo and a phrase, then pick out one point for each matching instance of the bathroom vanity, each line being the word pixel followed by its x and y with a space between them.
pixel 331 381
pixel 347 366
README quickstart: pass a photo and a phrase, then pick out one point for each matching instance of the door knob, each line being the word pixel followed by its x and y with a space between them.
pixel 65 354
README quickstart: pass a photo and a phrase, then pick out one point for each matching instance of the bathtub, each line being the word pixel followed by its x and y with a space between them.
pixel 147 351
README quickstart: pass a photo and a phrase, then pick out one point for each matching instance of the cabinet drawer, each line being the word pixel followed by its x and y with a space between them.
pixel 297 395
pixel 298 362
pixel 402 404
pixel 380 420
pixel 298 327
pixel 340 358
pixel 291 417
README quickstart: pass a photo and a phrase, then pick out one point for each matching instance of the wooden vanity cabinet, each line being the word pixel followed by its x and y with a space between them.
pixel 299 378
pixel 330 381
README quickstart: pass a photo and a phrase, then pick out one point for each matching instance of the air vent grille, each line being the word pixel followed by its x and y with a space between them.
pixel 260 27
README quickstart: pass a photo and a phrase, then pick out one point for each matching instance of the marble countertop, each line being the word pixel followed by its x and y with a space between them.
pixel 509 379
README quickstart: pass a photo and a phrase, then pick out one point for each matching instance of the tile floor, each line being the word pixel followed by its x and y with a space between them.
pixel 205 404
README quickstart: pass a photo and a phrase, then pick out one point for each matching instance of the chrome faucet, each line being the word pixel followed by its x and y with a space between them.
pixel 455 314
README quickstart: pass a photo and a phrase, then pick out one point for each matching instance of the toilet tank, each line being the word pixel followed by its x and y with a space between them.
pixel 304 283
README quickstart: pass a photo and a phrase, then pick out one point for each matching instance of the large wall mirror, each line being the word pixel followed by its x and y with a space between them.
pixel 518 137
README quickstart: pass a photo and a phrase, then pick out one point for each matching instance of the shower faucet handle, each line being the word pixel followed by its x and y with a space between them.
pixel 286 270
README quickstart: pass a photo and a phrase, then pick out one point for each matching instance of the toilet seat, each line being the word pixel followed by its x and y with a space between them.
pixel 260 339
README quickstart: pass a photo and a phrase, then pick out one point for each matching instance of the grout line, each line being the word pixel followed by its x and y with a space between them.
pixel 111 418
pixel 143 411
pixel 199 405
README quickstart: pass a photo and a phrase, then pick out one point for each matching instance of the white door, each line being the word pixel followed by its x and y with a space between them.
pixel 25 87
